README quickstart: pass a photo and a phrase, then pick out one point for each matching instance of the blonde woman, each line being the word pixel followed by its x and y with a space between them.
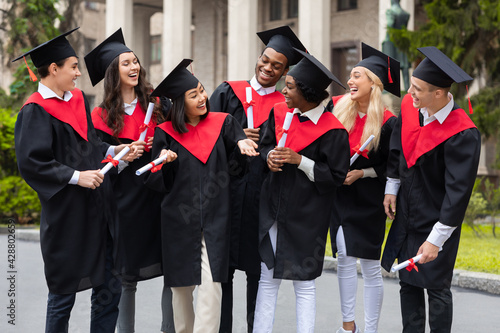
pixel 358 225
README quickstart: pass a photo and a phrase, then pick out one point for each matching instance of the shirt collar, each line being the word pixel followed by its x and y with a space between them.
pixel 47 93
pixel 313 114
pixel 441 115
pixel 129 108
pixel 260 89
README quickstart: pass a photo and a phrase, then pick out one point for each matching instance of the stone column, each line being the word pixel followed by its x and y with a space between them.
pixel 176 37
pixel 242 49
pixel 142 39
pixel 119 14
pixel 314 28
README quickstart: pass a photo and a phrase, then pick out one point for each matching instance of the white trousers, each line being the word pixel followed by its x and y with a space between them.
pixel 348 282
pixel 267 295
pixel 206 319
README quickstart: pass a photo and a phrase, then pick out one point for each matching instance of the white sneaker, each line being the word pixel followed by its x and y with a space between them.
pixel 341 330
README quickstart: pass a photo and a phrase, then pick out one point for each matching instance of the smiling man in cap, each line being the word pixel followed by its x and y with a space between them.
pixel 431 171
pixel 252 114
pixel 59 155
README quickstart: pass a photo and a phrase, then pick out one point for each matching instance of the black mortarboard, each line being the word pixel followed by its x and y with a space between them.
pixel 312 73
pixel 56 49
pixel 177 82
pixel 283 40
pixel 99 59
pixel 385 67
pixel 439 70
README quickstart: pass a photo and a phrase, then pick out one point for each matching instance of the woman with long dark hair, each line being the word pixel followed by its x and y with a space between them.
pixel 120 118
pixel 196 206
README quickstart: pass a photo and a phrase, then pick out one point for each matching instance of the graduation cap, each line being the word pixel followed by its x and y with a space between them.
pixel 177 82
pixel 385 67
pixel 99 59
pixel 439 70
pixel 312 72
pixel 283 40
pixel 56 49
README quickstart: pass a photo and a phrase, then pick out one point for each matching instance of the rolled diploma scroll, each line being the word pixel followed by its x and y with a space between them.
pixel 147 119
pixel 363 147
pixel 286 126
pixel 250 108
pixel 151 164
pixel 405 264
pixel 118 157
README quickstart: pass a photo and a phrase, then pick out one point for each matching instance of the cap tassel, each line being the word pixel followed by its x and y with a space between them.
pixel 32 75
pixel 468 99
pixel 389 70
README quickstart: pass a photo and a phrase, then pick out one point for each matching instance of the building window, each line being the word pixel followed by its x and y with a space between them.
pixel 275 10
pixel 293 8
pixel 156 49
pixel 344 58
pixel 88 44
pixel 347 4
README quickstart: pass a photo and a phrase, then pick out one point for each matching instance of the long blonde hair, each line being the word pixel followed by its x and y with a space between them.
pixel 346 111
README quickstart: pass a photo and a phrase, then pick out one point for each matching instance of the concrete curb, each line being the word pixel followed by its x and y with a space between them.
pixel 489 283
pixel 32 235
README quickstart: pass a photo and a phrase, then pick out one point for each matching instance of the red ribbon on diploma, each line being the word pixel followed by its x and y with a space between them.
pixel 110 160
pixel 156 168
pixel 248 104
pixel 143 127
pixel 363 153
pixel 411 265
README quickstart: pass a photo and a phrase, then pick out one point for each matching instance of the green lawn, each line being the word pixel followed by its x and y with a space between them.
pixel 478 254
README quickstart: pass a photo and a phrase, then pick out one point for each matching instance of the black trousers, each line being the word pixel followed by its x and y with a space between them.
pixel 414 313
pixel 104 303
pixel 226 320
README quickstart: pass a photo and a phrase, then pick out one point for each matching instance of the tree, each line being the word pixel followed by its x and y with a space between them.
pixel 468 31
pixel 28 23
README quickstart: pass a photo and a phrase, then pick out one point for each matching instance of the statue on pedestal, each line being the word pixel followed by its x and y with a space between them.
pixel 397 18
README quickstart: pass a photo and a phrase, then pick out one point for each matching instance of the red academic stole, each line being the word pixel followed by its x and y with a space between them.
pixel 200 139
pixel 302 134
pixel 357 130
pixel 417 140
pixel 71 112
pixel 132 127
pixel 262 105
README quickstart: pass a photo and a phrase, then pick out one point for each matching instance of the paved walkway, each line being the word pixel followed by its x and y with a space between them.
pixel 474 311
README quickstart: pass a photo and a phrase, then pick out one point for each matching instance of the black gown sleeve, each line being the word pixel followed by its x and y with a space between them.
pixel 330 169
pixel 35 156
pixel 393 158
pixel 384 148
pixel 461 156
pixel 268 137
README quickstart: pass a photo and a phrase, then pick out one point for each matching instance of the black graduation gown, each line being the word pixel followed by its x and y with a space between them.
pixel 245 191
pixel 197 201
pixel 75 221
pixel 436 188
pixel 359 207
pixel 139 217
pixel 301 208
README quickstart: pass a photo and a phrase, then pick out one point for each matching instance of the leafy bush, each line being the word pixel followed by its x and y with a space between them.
pixel 7 151
pixel 18 200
